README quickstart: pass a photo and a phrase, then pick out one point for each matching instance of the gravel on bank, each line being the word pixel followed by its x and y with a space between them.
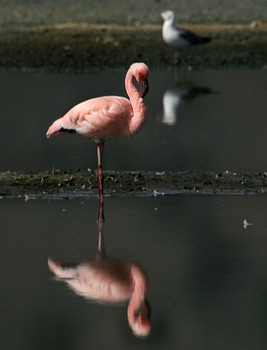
pixel 76 184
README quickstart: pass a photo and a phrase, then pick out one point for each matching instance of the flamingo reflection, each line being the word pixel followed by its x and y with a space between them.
pixel 108 280
pixel 174 98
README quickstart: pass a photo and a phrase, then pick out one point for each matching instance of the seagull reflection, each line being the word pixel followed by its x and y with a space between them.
pixel 108 280
pixel 174 98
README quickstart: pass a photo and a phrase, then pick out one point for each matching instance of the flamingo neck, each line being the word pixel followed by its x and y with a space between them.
pixel 138 105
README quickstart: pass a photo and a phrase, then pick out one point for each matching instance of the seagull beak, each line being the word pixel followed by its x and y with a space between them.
pixel 144 87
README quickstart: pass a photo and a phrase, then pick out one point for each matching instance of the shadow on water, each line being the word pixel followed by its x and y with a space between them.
pixel 207 273
pixel 108 280
pixel 177 97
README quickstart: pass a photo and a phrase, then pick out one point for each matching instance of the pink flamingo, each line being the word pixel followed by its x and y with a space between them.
pixel 109 280
pixel 107 117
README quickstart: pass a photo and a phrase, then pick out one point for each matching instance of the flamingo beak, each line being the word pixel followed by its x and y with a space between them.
pixel 144 312
pixel 144 87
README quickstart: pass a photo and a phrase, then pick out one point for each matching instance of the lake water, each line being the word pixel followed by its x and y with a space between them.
pixel 205 256
pixel 214 121
pixel 207 272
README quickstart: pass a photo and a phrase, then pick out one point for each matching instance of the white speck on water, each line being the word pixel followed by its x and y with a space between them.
pixel 64 209
pixel 156 193
pixel 246 224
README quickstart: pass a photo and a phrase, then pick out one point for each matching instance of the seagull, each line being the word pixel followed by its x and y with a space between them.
pixel 177 37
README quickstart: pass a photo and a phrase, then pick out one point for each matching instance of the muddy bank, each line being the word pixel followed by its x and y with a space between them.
pixel 68 184
pixel 74 47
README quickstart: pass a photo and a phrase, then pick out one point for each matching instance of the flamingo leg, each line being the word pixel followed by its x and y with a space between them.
pixel 100 221
pixel 100 177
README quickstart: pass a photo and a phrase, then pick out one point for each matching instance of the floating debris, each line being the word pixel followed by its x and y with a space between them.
pixel 246 224
pixel 156 193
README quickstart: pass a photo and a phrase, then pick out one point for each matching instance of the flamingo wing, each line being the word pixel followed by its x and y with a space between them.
pixel 98 119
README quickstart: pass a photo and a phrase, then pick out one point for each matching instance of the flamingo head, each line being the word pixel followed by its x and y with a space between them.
pixel 141 322
pixel 140 72
pixel 167 15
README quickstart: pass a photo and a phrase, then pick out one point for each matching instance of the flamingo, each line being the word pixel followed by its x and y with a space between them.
pixel 177 37
pixel 103 118
pixel 109 280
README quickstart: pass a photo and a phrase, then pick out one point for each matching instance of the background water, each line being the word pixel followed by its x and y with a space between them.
pixel 216 121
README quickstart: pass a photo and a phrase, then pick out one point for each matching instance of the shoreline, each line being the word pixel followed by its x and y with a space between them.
pixel 80 47
pixel 76 184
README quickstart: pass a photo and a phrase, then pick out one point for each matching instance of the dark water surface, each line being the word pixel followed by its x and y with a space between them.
pixel 207 272
pixel 208 121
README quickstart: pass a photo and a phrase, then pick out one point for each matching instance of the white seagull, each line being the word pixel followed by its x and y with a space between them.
pixel 177 37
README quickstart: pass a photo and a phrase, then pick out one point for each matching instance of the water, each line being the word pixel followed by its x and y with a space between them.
pixel 220 122
pixel 207 272
pixel 207 269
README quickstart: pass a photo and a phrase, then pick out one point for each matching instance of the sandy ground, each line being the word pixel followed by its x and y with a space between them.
pixel 75 47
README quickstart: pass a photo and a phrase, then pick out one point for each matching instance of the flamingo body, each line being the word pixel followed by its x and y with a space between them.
pixel 100 118
pixel 104 118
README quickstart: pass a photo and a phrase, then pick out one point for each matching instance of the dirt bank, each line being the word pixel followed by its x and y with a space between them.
pixel 74 47
pixel 69 184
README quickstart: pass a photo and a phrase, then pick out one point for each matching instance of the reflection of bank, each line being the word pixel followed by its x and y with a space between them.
pixel 174 98
pixel 108 280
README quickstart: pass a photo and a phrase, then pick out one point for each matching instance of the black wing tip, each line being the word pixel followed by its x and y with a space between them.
pixel 70 131
pixel 206 39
